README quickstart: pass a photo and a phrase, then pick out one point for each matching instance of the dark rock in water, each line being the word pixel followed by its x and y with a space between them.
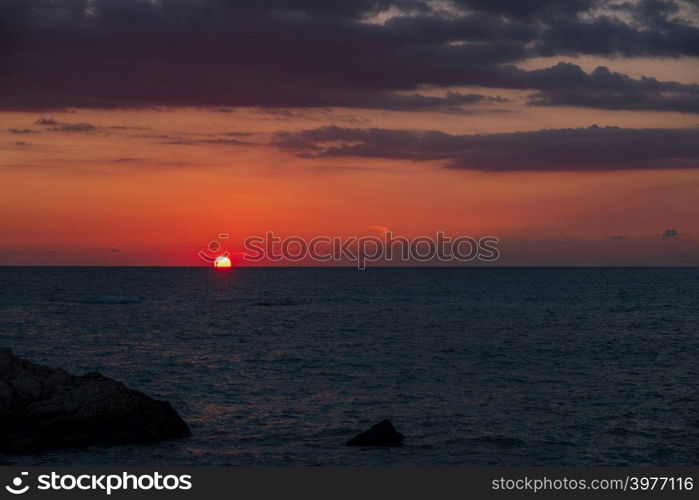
pixel 382 434
pixel 44 408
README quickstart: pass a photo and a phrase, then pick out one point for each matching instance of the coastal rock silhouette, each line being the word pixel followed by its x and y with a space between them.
pixel 43 408
pixel 381 434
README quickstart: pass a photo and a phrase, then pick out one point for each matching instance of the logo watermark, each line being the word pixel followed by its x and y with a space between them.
pixel 16 487
pixel 104 483
pixel 387 249
pixel 215 250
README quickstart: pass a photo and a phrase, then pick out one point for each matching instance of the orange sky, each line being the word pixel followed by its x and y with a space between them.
pixel 123 196
pixel 134 133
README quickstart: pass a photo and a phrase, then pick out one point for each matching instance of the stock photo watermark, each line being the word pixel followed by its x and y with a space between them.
pixel 387 249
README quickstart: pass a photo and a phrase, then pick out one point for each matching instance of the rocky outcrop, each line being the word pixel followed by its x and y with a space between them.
pixel 382 434
pixel 45 408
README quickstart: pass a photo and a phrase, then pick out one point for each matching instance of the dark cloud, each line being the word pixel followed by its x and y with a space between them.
pixel 213 141
pixel 567 85
pixel 238 134
pixel 46 122
pixel 608 36
pixel 593 148
pixel 670 233
pixel 311 114
pixel 528 8
pixel 618 237
pixel 21 131
pixel 317 53
pixel 74 127
pixel 452 102
pixel 618 100
pixel 56 126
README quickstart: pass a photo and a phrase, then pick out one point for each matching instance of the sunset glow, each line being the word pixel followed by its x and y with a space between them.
pixel 570 154
pixel 222 262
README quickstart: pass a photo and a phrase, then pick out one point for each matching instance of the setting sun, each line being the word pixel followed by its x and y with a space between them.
pixel 222 261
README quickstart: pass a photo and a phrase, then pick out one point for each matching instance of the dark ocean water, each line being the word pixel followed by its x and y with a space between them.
pixel 474 366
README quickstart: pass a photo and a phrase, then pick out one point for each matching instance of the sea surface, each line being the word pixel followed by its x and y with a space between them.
pixel 280 366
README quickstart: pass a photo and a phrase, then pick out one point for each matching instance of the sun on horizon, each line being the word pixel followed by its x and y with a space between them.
pixel 223 262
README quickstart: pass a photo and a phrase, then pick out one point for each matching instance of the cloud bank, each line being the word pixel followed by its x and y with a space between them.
pixel 582 149
pixel 373 54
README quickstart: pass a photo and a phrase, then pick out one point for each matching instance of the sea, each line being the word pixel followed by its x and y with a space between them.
pixel 475 366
